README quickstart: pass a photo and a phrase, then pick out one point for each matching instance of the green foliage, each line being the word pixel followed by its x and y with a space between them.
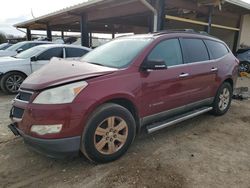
pixel 2 38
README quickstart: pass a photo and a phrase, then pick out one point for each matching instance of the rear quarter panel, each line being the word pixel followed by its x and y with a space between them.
pixel 227 69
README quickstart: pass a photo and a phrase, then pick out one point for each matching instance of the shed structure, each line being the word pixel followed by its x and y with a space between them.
pixel 225 19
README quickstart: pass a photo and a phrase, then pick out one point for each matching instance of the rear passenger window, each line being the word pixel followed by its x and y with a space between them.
pixel 216 49
pixel 25 46
pixel 75 52
pixel 194 50
pixel 169 51
pixel 52 52
pixel 30 45
pixel 34 44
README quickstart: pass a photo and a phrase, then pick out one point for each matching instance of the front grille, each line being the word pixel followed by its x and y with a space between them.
pixel 24 96
pixel 17 112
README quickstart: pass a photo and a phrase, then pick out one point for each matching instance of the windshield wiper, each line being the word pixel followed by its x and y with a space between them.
pixel 96 64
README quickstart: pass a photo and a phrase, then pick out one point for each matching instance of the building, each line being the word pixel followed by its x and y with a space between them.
pixel 228 20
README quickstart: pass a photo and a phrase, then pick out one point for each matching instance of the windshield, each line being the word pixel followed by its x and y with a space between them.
pixel 118 53
pixel 4 46
pixel 30 52
pixel 16 46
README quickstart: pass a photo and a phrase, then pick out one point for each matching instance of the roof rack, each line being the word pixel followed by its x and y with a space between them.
pixel 180 30
pixel 125 35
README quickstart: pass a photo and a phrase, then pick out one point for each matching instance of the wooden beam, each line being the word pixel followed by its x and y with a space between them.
pixel 49 33
pixel 28 34
pixel 160 7
pixel 237 36
pixel 84 31
pixel 200 23
pixel 210 15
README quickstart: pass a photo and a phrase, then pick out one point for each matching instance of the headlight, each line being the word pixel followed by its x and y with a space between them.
pixel 46 129
pixel 60 95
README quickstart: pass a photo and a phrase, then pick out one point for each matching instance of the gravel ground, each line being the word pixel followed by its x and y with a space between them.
pixel 206 151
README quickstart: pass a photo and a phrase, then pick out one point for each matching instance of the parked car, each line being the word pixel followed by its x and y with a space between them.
pixel 4 46
pixel 20 47
pixel 244 57
pixel 97 107
pixel 13 70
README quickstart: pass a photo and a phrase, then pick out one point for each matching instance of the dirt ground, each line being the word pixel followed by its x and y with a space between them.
pixel 206 151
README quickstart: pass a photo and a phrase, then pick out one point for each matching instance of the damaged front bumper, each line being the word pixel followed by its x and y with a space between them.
pixel 54 148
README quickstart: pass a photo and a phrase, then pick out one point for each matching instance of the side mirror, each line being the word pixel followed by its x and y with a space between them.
pixel 33 58
pixel 19 50
pixel 154 65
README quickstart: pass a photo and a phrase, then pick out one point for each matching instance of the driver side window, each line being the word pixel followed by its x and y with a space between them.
pixel 25 46
pixel 169 51
pixel 53 52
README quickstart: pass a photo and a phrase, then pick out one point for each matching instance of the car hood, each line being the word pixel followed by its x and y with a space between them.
pixel 7 53
pixel 60 71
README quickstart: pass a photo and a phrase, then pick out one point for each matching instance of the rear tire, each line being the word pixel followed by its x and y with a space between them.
pixel 245 67
pixel 108 134
pixel 11 82
pixel 223 99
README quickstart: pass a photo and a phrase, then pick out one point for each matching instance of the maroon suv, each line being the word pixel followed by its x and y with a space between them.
pixel 98 104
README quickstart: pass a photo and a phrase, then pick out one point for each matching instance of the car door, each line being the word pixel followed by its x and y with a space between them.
pixel 200 70
pixel 45 57
pixel 163 90
pixel 219 54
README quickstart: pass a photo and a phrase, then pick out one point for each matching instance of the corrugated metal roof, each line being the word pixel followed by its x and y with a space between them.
pixel 239 3
pixel 91 3
pixel 67 9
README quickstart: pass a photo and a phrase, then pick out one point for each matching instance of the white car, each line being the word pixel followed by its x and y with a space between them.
pixel 4 46
pixel 13 70
pixel 20 47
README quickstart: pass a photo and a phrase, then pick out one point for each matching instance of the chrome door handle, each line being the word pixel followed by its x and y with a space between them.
pixel 214 69
pixel 183 75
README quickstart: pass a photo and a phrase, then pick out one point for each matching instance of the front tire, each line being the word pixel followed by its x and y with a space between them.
pixel 223 99
pixel 108 134
pixel 11 82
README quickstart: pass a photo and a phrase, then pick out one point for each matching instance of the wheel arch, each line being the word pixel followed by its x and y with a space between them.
pixel 130 106
pixel 5 76
pixel 125 102
pixel 245 61
pixel 230 81
pixel 13 71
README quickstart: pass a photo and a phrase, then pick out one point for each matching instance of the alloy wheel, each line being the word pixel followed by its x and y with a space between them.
pixel 111 135
pixel 13 83
pixel 224 99
pixel 244 67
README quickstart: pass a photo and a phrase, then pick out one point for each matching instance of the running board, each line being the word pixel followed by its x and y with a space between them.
pixel 177 119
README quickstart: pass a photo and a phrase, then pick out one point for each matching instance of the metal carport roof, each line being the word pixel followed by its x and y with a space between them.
pixel 119 15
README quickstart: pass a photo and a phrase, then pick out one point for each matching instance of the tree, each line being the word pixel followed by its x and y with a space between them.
pixel 2 38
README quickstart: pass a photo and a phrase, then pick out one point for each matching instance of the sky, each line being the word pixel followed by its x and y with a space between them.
pixel 15 11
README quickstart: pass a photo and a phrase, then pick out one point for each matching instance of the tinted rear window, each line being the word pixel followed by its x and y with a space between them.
pixel 52 52
pixel 75 52
pixel 194 50
pixel 216 49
